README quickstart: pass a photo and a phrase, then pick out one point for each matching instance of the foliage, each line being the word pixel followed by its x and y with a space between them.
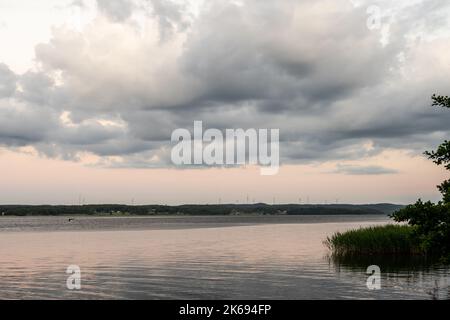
pixel 442 155
pixel 431 221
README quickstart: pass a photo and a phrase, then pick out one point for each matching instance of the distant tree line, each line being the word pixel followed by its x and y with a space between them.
pixel 201 210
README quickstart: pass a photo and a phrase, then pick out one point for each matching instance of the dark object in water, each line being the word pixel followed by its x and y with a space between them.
pixel 70 220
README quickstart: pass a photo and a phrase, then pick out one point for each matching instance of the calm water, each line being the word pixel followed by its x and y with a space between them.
pixel 199 257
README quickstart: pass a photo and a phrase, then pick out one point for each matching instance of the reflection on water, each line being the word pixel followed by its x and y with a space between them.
pixel 420 273
pixel 243 261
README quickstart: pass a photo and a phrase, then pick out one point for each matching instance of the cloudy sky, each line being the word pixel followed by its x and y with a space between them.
pixel 90 92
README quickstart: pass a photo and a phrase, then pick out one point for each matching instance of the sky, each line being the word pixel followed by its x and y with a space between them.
pixel 91 90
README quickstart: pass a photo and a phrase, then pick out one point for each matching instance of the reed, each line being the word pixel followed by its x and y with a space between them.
pixel 380 240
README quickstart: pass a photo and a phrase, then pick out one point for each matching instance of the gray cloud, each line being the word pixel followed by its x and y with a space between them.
pixel 172 17
pixel 363 170
pixel 313 71
pixel 22 124
pixel 116 10
pixel 7 81
pixel 36 88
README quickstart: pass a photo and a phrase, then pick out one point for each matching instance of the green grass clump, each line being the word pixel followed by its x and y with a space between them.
pixel 389 239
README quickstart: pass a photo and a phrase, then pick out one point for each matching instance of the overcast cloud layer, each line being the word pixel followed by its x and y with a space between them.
pixel 337 90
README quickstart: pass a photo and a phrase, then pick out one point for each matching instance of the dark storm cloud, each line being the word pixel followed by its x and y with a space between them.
pixel 266 54
pixel 310 68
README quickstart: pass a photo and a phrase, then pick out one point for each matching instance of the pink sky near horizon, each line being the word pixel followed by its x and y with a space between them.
pixel 30 179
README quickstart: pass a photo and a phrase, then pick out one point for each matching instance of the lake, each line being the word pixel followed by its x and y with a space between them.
pixel 232 257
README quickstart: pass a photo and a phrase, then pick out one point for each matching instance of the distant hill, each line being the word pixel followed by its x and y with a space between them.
pixel 387 208
pixel 223 209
